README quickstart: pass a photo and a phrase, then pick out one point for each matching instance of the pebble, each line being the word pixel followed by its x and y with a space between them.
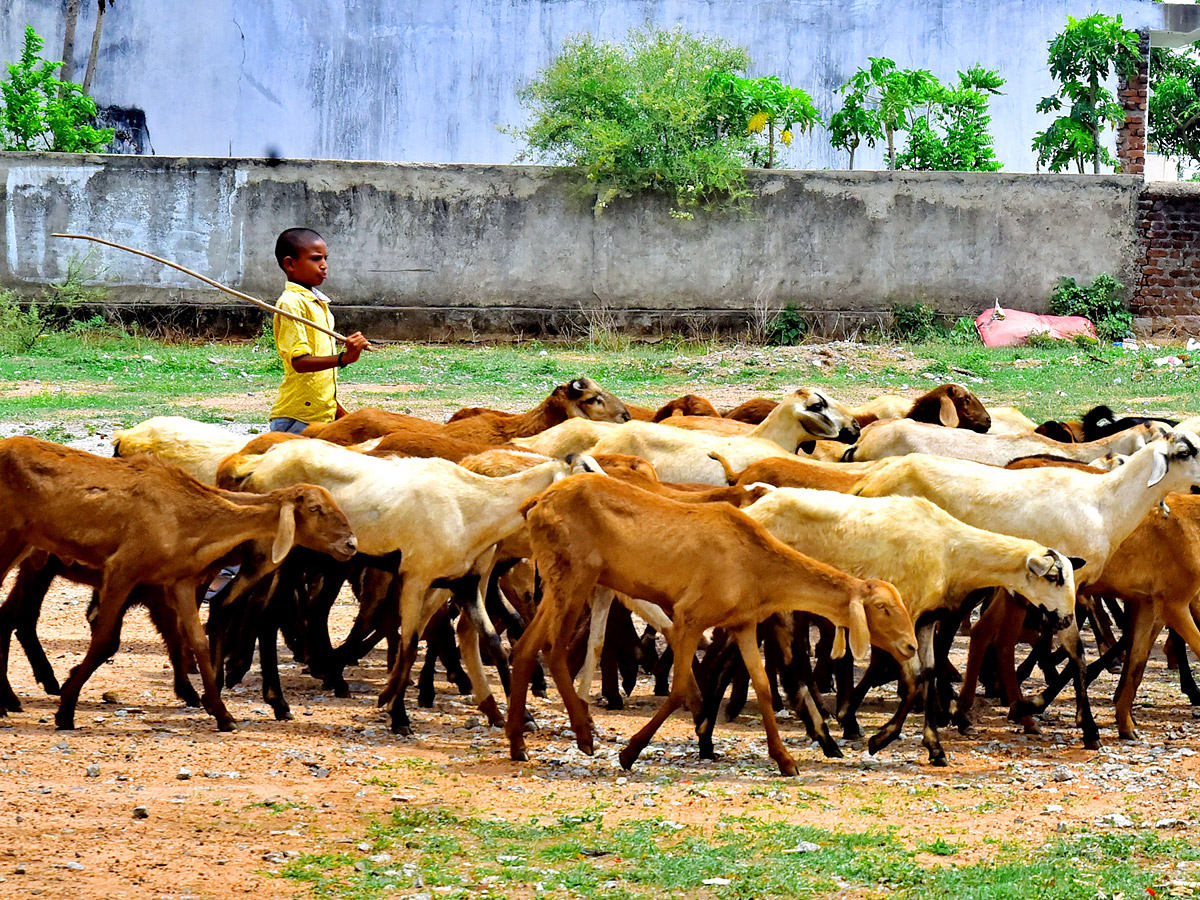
pixel 804 847
pixel 74 866
pixel 20 868
pixel 1062 773
pixel 92 771
pixel 141 812
pixel 1117 820
pixel 183 775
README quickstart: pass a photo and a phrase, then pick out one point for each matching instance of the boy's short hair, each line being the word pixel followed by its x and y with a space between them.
pixel 289 243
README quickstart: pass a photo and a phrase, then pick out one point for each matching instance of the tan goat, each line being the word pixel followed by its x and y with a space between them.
pixel 693 561
pixel 138 522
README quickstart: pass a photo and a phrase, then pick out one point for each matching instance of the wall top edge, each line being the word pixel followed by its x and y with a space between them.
pixel 10 159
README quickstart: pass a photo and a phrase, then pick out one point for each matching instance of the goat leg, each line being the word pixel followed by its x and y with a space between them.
pixel 268 662
pixel 909 693
pixel 28 594
pixel 1187 681
pixel 684 640
pixel 926 635
pixel 168 625
pixel 716 670
pixel 105 639
pixel 747 639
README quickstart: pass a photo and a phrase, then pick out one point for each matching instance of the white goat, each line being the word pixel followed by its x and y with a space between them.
pixel 897 437
pixel 444 520
pixel 1078 513
pixel 932 558
pixel 196 447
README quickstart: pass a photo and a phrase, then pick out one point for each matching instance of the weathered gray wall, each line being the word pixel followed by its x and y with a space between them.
pixel 429 250
pixel 433 81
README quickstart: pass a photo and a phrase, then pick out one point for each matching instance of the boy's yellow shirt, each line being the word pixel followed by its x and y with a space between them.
pixel 310 396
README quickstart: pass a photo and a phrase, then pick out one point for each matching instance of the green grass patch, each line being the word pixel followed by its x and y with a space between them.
pixel 582 855
pixel 123 379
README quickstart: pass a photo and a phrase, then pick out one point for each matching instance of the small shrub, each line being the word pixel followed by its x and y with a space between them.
pixel 964 331
pixel 1102 301
pixel 914 322
pixel 788 327
pixel 1040 339
pixel 20 324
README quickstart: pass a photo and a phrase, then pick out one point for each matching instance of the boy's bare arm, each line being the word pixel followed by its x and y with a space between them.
pixel 355 344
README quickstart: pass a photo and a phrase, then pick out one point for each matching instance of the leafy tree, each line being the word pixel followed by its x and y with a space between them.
pixel 880 102
pixel 1081 58
pixel 42 113
pixel 766 105
pixel 854 124
pixel 953 132
pixel 1174 108
pixel 643 116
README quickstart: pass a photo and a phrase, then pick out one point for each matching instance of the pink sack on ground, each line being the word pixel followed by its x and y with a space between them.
pixel 1011 327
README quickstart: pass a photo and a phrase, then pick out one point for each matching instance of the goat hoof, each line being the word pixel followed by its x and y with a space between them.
pixel 851 731
pixel 707 752
pixel 491 712
pixel 64 723
pixel 342 690
pixel 1091 743
pixel 1127 735
pixel 938 759
pixel 283 714
pixel 588 746
pixel 518 754
pixel 539 692
pixel 787 766
pixel 403 730
pixel 189 700
pixel 11 705
pixel 530 724
pixel 831 751
pixel 52 688
pixel 425 701
pixel 627 758
pixel 615 702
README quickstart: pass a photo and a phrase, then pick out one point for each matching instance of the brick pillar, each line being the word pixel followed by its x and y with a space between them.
pixel 1133 95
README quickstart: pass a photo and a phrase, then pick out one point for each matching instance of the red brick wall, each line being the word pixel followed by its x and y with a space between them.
pixel 1131 134
pixel 1168 282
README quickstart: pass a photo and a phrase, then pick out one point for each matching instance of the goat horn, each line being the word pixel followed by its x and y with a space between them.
pixel 207 280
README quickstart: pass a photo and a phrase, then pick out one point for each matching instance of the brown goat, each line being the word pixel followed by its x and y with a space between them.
pixel 951 405
pixel 581 398
pixel 752 412
pixel 687 405
pixel 692 560
pixel 139 522
pixel 781 471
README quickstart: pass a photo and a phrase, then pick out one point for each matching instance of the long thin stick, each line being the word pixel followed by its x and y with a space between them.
pixel 206 280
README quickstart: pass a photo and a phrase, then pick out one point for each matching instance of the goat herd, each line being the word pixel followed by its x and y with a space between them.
pixel 881 527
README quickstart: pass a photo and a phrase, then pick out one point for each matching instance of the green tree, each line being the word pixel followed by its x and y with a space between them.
pixel 1081 58
pixel 953 133
pixel 42 113
pixel 642 116
pixel 1174 108
pixel 768 107
pixel 880 102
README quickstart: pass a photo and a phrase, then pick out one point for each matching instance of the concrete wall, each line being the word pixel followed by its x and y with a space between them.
pixel 433 81
pixel 440 251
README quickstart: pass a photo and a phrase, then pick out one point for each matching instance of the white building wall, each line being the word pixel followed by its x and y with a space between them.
pixel 435 80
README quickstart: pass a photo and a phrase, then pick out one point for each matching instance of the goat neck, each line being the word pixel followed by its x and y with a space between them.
pixel 1161 467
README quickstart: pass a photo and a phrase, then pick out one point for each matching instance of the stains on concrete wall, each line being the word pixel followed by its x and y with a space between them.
pixel 419 248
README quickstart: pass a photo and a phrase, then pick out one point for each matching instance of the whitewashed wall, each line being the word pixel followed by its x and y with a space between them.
pixel 434 80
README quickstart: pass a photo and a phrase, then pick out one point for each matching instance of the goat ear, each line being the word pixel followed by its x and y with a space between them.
pixel 1039 565
pixel 1076 562
pixel 286 535
pixel 575 389
pixel 839 643
pixel 1159 471
pixel 947 412
pixel 860 634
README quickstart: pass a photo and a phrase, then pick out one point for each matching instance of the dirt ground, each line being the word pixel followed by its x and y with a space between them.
pixel 223 812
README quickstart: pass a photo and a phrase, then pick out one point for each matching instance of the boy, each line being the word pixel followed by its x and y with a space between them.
pixel 310 359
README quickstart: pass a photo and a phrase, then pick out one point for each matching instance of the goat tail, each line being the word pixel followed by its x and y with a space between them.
pixel 731 477
pixel 848 456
